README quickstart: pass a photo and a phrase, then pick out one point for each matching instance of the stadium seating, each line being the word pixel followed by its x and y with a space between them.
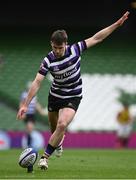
pixel 22 58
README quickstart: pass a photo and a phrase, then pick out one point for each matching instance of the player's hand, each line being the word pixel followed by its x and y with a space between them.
pixel 122 19
pixel 21 113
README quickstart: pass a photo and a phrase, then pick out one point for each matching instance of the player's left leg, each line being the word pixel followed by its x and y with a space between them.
pixel 65 117
pixel 53 119
pixel 127 135
pixel 125 142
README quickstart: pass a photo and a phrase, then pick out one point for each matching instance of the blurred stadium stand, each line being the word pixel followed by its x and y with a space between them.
pixel 104 68
pixel 100 104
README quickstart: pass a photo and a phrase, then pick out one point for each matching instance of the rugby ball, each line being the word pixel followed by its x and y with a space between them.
pixel 28 157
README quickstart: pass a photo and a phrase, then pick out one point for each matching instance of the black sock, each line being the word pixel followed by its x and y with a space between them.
pixel 49 150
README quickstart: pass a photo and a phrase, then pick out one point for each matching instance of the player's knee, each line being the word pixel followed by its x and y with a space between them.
pixel 62 125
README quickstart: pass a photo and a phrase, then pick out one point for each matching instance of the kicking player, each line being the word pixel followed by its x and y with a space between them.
pixel 63 62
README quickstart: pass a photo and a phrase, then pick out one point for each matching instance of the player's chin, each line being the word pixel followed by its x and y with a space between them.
pixel 58 55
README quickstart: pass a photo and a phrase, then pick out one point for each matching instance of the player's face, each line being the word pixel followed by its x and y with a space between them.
pixel 59 50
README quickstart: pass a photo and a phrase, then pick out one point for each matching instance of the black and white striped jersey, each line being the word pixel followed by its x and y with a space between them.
pixel 67 82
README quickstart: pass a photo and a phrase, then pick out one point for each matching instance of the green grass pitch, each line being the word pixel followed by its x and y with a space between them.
pixel 74 164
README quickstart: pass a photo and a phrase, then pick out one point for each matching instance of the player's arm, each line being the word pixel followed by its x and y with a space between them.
pixel 101 35
pixel 31 93
pixel 20 105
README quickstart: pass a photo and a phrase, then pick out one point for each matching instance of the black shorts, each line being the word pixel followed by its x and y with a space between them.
pixel 54 103
pixel 29 118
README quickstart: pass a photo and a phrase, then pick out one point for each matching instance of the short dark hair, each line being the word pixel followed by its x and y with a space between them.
pixel 59 37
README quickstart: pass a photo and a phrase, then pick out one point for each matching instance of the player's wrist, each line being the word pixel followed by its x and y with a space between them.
pixel 117 24
pixel 25 105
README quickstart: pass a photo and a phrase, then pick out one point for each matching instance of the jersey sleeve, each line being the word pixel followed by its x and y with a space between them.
pixel 44 67
pixel 80 47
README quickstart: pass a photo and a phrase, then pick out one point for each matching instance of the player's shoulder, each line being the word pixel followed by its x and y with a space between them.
pixel 51 56
pixel 81 45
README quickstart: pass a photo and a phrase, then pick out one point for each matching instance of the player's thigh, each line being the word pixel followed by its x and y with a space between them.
pixel 66 115
pixel 53 119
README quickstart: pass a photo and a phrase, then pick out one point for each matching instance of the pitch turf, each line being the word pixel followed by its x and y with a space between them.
pixel 74 164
